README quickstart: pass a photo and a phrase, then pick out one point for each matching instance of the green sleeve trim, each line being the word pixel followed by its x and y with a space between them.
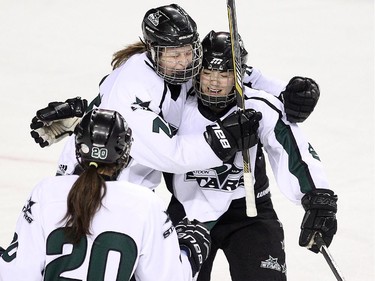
pixel 296 165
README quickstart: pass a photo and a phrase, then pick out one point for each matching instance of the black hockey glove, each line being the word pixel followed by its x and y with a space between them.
pixel 52 123
pixel 321 207
pixel 194 238
pixel 236 132
pixel 300 98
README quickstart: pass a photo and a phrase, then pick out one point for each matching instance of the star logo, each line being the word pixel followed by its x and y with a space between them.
pixel 139 104
pixel 27 214
pixel 271 263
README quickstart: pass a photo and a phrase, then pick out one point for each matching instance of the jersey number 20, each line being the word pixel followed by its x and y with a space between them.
pixel 102 245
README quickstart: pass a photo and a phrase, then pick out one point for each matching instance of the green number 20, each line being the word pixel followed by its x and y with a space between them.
pixel 102 245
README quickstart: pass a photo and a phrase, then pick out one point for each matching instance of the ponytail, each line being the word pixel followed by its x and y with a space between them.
pixel 84 200
pixel 121 56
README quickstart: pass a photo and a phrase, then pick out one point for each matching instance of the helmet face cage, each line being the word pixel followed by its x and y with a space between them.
pixel 217 56
pixel 169 73
pixel 166 28
pixel 103 136
pixel 217 101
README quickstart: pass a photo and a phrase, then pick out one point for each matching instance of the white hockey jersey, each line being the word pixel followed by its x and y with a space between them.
pixel 131 234
pixel 207 194
pixel 153 113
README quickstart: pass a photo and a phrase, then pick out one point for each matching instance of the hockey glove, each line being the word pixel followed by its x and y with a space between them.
pixel 236 132
pixel 300 98
pixel 321 207
pixel 52 123
pixel 194 238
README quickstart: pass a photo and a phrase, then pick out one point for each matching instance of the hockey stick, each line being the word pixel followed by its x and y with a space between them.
pixel 251 210
pixel 327 255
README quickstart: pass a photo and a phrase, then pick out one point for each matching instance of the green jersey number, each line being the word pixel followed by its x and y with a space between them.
pixel 160 125
pixel 102 245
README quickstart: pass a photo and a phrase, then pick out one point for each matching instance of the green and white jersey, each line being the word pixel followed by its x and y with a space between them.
pixel 206 194
pixel 130 234
pixel 153 111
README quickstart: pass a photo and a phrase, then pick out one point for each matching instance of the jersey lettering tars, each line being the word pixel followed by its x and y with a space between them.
pixel 225 178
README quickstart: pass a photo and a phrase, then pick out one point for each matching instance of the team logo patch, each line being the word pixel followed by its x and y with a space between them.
pixel 224 178
pixel 154 18
pixel 272 263
pixel 27 214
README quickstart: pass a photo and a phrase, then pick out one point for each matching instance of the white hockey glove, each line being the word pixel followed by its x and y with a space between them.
pixel 56 121
pixel 194 238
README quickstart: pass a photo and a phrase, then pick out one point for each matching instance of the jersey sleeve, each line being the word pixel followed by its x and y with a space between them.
pixel 154 112
pixel 295 164
pixel 67 161
pixel 155 147
pixel 255 79
pixel 24 259
pixel 160 255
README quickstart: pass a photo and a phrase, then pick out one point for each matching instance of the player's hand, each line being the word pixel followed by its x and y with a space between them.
pixel 321 207
pixel 300 98
pixel 236 132
pixel 52 123
pixel 194 238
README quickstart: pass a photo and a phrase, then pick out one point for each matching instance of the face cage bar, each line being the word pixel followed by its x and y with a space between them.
pixel 213 101
pixel 180 76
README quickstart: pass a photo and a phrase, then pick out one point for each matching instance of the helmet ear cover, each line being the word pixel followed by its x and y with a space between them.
pixel 103 136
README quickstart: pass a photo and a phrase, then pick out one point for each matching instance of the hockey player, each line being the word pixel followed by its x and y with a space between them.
pixel 149 86
pixel 154 103
pixel 91 227
pixel 253 246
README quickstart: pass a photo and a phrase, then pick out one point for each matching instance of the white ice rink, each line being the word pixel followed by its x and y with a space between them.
pixel 53 50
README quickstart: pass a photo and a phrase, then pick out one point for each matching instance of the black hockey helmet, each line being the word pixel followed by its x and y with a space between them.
pixel 103 136
pixel 167 27
pixel 217 51
pixel 217 56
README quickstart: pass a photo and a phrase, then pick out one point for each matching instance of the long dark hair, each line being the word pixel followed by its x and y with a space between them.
pixel 85 199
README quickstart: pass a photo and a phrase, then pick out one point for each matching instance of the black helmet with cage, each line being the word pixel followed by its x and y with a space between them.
pixel 217 56
pixel 170 26
pixel 103 136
